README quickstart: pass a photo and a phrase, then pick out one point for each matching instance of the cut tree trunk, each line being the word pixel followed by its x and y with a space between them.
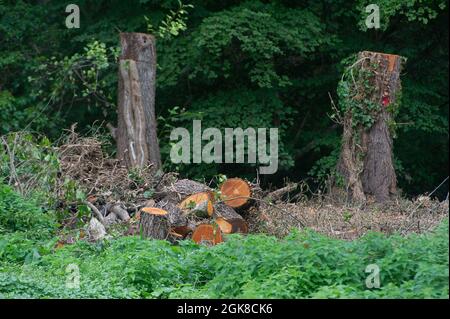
pixel 200 204
pixel 175 214
pixel 235 192
pixel 207 234
pixel 366 159
pixel 178 191
pixel 228 220
pixel 137 142
pixel 154 223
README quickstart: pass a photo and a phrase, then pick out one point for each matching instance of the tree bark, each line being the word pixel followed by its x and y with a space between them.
pixel 366 160
pixel 154 225
pixel 182 188
pixel 228 220
pixel 137 142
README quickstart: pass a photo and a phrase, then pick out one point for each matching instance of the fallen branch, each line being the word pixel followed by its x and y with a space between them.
pixel 279 193
pixel 119 211
pixel 95 211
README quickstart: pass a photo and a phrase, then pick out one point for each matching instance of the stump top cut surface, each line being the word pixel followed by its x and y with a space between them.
pixel 154 211
pixel 235 192
pixel 392 58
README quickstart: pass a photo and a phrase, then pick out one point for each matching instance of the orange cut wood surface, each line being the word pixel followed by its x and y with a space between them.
pixel 197 199
pixel 232 226
pixel 154 211
pixel 208 234
pixel 235 192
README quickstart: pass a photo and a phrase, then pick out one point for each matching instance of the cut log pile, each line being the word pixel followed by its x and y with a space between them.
pixel 189 209
pixel 184 209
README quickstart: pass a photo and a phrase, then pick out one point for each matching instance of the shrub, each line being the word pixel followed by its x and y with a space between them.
pixel 303 265
pixel 19 215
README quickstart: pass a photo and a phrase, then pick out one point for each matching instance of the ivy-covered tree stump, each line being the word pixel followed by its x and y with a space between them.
pixel 369 93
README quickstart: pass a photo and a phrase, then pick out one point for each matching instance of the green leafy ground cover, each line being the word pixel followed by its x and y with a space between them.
pixel 302 265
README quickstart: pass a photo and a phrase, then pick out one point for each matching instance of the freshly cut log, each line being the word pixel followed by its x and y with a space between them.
pixel 181 231
pixel 207 234
pixel 153 210
pixel 228 220
pixel 181 189
pixel 175 214
pixel 154 223
pixel 200 204
pixel 230 226
pixel 235 192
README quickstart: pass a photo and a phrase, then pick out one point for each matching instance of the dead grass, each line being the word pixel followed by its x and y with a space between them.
pixel 349 222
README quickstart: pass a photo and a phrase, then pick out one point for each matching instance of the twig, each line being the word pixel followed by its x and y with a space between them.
pixel 12 168
pixel 280 192
pixel 95 211
pixel 420 204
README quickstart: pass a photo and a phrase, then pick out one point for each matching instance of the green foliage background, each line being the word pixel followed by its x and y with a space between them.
pixel 235 64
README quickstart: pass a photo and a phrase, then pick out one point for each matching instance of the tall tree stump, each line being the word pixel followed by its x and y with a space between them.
pixel 137 142
pixel 368 96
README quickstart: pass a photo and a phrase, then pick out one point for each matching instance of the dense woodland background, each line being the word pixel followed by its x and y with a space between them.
pixel 75 223
pixel 235 64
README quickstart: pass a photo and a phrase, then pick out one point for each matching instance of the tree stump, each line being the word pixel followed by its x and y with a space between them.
pixel 137 142
pixel 154 223
pixel 181 189
pixel 368 99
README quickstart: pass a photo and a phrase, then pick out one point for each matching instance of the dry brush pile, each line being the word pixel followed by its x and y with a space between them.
pixel 181 209
pixel 162 206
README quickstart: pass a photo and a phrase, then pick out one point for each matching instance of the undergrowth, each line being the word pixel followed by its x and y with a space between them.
pixel 302 265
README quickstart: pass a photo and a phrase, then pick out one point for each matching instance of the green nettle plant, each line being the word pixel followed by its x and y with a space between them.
pixel 302 265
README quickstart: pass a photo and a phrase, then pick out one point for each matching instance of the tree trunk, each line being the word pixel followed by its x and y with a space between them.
pixel 235 192
pixel 207 235
pixel 366 160
pixel 181 189
pixel 154 224
pixel 228 220
pixel 137 142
